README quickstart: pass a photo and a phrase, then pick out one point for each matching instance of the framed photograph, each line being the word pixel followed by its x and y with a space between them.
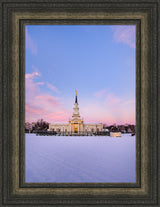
pixel 79 103
pixel 80 144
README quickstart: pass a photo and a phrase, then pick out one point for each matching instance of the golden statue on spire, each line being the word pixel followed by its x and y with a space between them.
pixel 76 92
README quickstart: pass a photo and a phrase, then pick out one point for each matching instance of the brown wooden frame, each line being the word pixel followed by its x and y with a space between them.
pixel 14 15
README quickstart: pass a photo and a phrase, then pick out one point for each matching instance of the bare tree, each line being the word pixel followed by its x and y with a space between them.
pixel 41 125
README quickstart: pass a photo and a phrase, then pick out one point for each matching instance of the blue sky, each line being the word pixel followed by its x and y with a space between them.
pixel 96 60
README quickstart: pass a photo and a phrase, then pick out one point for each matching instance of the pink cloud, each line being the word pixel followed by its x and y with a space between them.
pixel 129 102
pixel 31 87
pixel 34 110
pixel 110 115
pixel 30 43
pixel 48 101
pixel 113 109
pixel 53 88
pixel 100 93
pixel 111 99
pixel 40 83
pixel 124 34
pixel 42 105
pixel 33 113
pixel 31 75
pixel 121 111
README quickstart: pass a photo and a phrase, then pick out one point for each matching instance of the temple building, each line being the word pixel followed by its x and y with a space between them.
pixel 76 123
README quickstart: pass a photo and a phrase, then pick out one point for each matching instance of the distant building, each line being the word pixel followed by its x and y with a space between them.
pixel 115 134
pixel 76 123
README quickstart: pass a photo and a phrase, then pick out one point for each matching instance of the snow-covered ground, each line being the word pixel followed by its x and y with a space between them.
pixel 80 159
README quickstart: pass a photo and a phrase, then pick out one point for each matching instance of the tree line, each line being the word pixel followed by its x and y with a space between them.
pixel 40 125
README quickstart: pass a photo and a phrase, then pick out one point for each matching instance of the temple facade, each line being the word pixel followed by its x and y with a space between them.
pixel 76 123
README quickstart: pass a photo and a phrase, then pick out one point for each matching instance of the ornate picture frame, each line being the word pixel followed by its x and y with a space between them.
pixel 15 15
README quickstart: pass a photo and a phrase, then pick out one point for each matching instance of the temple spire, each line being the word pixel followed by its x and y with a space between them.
pixel 76 100
pixel 76 109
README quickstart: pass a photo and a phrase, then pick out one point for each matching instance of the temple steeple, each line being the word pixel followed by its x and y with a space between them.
pixel 76 108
